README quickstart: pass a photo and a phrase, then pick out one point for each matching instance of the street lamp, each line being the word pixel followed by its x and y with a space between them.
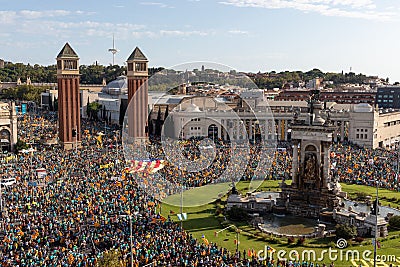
pixel 376 208
pixel 398 168
pixel 237 236
pixel 376 222
pixel 116 141
pixel 1 197
pixel 130 230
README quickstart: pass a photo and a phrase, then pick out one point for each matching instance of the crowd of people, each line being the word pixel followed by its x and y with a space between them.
pixel 231 163
pixel 83 205
pixel 81 208
pixel 360 165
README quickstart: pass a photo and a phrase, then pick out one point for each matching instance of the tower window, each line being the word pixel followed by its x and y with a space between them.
pixel 140 66
pixel 130 66
pixel 70 65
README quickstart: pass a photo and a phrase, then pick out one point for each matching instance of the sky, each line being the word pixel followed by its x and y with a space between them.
pixel 248 35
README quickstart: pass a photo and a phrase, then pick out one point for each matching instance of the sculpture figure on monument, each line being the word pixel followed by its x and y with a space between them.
pixel 310 173
pixel 314 96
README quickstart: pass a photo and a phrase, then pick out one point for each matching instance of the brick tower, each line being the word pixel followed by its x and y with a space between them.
pixel 69 117
pixel 137 74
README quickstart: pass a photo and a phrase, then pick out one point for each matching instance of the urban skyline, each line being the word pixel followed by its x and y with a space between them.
pixel 330 35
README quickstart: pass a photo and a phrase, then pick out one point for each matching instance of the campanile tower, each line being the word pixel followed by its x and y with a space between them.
pixel 69 117
pixel 137 74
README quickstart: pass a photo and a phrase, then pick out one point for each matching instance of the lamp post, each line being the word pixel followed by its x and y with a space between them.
pixel 116 145
pixel 398 167
pixel 181 173
pixel 1 197
pixel 376 208
pixel 237 236
pixel 376 223
pixel 130 235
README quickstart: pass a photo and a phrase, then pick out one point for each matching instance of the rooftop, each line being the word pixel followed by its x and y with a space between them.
pixel 67 51
pixel 137 54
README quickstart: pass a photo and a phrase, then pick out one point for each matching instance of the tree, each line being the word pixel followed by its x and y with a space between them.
pixel 51 107
pixel 55 104
pixel 87 106
pixel 394 223
pixel 93 110
pixel 237 214
pixel 346 231
pixel 20 145
pixel 150 127
pixel 25 92
pixel 158 123
pixel 111 258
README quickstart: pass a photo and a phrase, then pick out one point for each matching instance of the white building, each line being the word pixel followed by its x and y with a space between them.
pixel 214 117
pixel 8 126
pixel 245 117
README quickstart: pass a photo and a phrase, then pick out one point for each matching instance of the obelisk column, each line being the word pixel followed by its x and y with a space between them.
pixel 69 113
pixel 137 75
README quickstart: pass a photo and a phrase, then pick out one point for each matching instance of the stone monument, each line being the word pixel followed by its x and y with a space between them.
pixel 312 190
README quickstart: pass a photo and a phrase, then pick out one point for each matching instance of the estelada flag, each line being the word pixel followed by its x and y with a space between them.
pixel 249 253
pixel 205 240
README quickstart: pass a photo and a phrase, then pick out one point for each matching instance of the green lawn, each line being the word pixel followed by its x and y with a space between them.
pixel 386 197
pixel 199 196
pixel 202 220
pixel 207 194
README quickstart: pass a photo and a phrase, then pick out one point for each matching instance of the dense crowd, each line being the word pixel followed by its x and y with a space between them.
pixel 359 165
pixel 219 162
pixel 349 163
pixel 78 210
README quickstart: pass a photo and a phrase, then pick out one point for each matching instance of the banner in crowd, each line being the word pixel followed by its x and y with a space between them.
pixel 106 166
pixel 9 158
pixel 148 166
pixel 41 173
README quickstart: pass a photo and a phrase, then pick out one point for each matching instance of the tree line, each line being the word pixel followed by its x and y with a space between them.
pixel 95 73
pixel 278 80
pixel 90 74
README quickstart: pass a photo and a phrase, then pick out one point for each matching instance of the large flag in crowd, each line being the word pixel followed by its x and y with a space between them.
pixel 148 166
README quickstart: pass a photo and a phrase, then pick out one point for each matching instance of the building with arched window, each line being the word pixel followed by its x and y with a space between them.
pixel 8 126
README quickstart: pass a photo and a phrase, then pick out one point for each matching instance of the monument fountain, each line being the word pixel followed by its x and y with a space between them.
pixel 313 196
pixel 312 193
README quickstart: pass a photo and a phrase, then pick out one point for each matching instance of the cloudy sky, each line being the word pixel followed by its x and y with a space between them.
pixel 249 35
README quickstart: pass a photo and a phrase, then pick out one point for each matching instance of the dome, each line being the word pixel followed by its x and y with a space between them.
pixel 192 108
pixel 117 87
pixel 363 107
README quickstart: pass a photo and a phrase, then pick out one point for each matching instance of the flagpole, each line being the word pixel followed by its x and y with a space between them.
pixel 1 199
pixel 376 223
pixel 237 243
pixel 181 198
pixel 398 168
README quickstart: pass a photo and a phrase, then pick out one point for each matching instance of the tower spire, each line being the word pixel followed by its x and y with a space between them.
pixel 113 50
